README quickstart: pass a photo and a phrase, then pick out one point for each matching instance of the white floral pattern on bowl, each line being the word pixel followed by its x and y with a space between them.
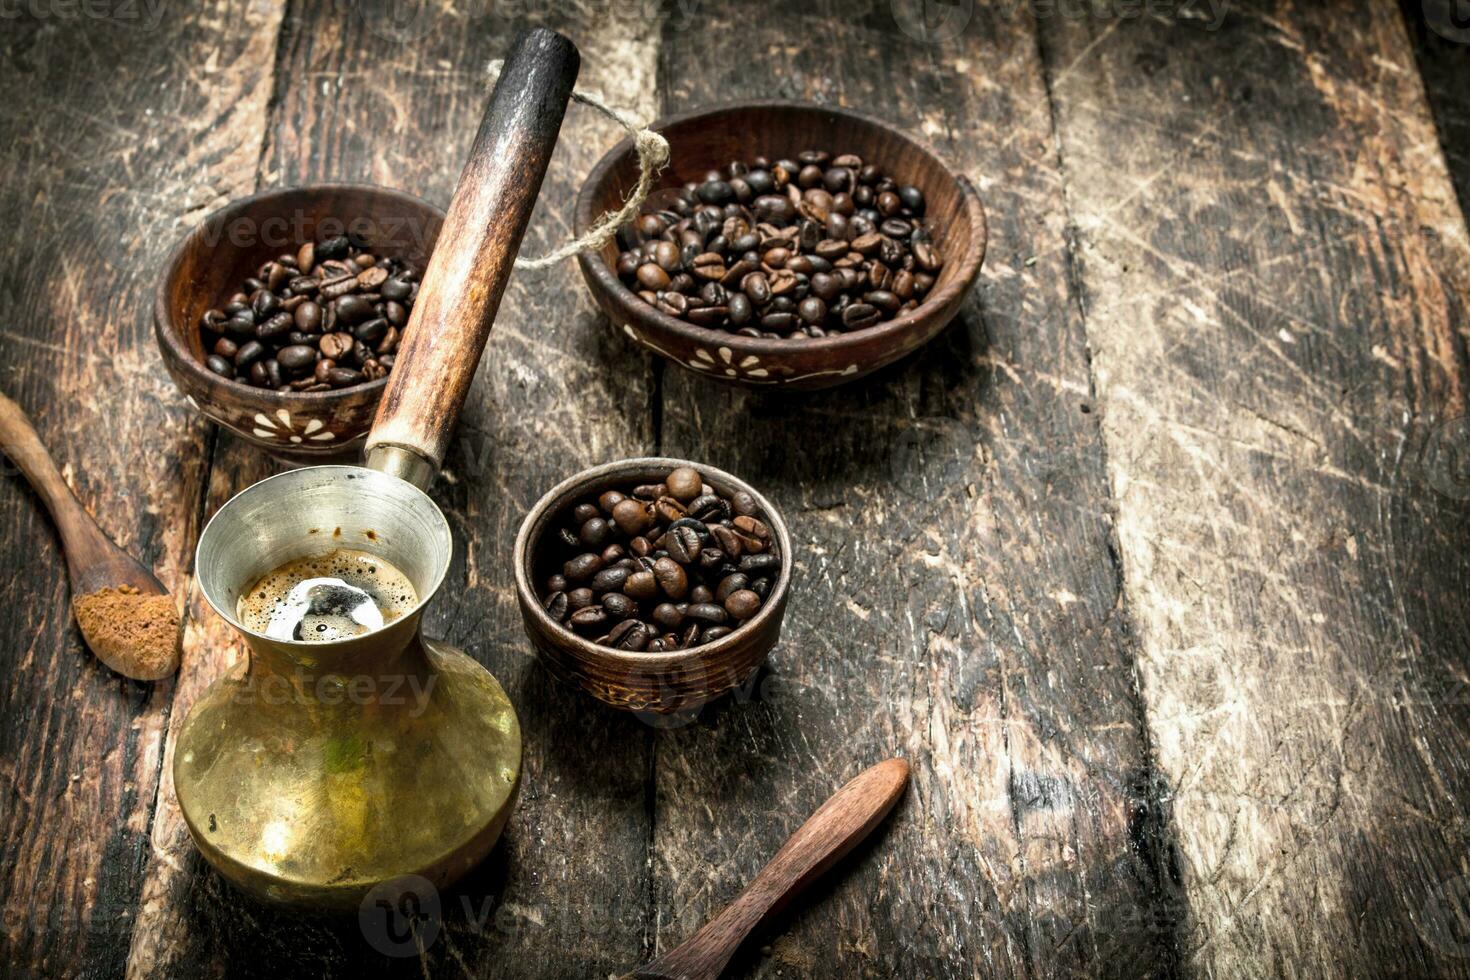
pixel 281 428
pixel 749 368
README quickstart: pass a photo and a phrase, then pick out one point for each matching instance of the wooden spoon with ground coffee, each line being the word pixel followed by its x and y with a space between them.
pixel 126 615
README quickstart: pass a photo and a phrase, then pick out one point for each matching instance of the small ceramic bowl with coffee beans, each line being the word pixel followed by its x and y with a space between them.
pixel 653 584
pixel 836 247
pixel 281 315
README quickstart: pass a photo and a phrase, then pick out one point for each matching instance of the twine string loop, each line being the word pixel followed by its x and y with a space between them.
pixel 653 156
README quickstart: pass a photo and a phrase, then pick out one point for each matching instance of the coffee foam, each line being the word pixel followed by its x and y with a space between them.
pixel 331 596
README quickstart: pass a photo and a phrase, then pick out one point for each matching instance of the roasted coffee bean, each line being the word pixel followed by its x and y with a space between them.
pixel 248 353
pixel 752 526
pixel 729 542
pixel 682 544
pixel 759 564
pixel 609 579
pixel 220 366
pixel 594 532
pixel 742 604
pixel 589 619
pixel 308 317
pixel 707 613
pixel 775 209
pixel 275 330
pixel 397 290
pixel 556 606
pixel 336 345
pixel 641 586
pixel 630 634
pixel 715 633
pixel 740 309
pixel 619 606
pixel 333 248
pixel 668 510
pixel 729 585
pixel 812 310
pixel 297 359
pixel 671 578
pixel 710 507
pixel 859 315
pixel 684 484
pixel 301 298
pixel 668 615
pixel 582 567
pixel 370 331
pixel 633 517
pixel 580 598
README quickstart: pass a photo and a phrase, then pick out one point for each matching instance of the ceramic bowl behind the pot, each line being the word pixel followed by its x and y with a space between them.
pixel 212 261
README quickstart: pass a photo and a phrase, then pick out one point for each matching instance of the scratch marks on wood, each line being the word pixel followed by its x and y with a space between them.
pixel 1266 321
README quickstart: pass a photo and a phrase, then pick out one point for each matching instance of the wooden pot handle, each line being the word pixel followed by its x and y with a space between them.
pixel 472 259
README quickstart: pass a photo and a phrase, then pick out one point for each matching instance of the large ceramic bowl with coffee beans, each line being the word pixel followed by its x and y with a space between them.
pixel 631 667
pixel 233 246
pixel 858 252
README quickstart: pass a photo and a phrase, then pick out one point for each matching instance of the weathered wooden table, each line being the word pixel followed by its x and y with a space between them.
pixel 1155 565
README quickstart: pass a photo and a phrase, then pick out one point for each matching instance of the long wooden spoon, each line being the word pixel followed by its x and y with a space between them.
pixel 837 826
pixel 115 598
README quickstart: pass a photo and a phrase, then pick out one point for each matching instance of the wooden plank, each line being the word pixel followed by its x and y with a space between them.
pixel 1442 54
pixel 566 892
pixel 1274 273
pixel 955 599
pixel 99 173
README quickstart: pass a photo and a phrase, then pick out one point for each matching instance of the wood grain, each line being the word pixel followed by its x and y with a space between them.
pixel 828 835
pixel 93 560
pixel 958 603
pixel 99 175
pixel 1144 564
pixel 1274 273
